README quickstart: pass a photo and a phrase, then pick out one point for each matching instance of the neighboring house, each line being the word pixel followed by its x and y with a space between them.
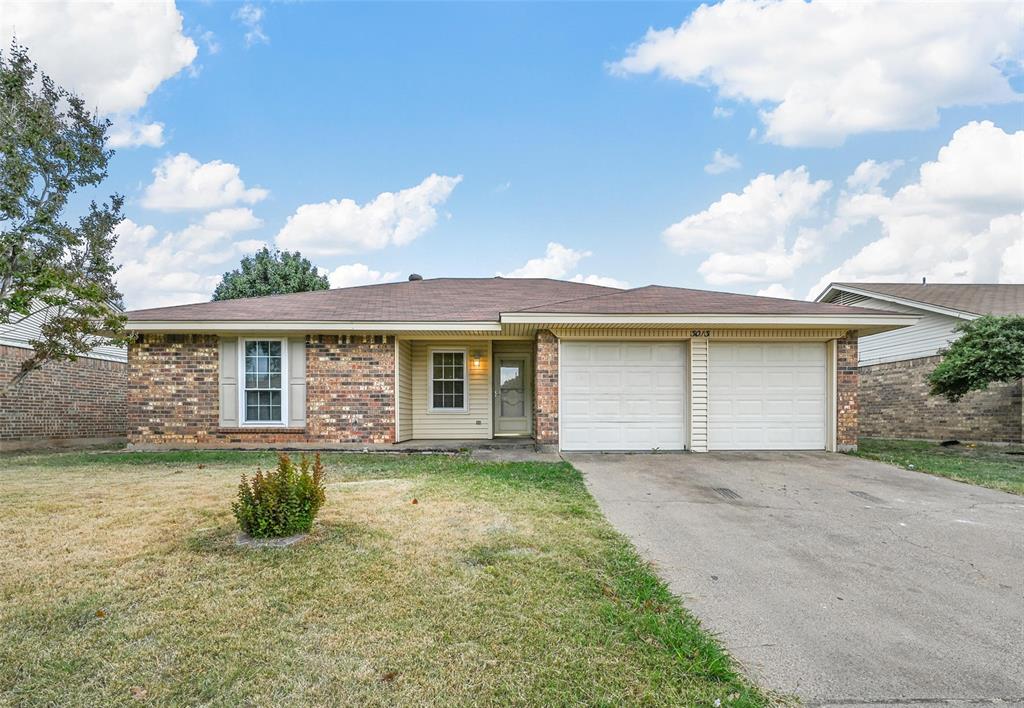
pixel 61 403
pixel 574 366
pixel 894 366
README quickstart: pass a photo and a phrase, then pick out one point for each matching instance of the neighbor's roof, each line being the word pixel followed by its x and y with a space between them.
pixel 978 299
pixel 481 300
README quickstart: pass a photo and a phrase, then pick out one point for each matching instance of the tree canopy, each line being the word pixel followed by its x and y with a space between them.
pixel 990 350
pixel 270 273
pixel 50 147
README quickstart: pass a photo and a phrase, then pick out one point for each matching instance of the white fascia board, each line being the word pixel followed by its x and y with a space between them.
pixel 892 321
pixel 308 326
pixel 952 312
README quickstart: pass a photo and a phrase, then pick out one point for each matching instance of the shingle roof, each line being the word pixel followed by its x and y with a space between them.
pixel 978 299
pixel 480 300
pixel 428 300
pixel 662 300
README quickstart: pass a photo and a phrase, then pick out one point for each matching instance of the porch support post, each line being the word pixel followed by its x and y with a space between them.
pixel 545 389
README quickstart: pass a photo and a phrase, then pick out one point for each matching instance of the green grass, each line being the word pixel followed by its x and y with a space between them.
pixel 503 584
pixel 994 466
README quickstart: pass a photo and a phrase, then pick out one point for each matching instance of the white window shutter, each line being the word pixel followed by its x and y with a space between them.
pixel 297 382
pixel 228 382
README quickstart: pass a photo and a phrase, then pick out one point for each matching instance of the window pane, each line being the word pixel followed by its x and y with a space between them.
pixel 275 365
pixel 250 348
pixel 275 381
pixel 274 348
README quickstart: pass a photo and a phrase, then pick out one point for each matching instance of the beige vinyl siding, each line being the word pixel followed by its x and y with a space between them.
pixel 699 394
pixel 932 333
pixel 405 405
pixel 475 422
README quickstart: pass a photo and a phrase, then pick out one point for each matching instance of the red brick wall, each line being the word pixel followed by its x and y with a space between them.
pixel 847 393
pixel 174 393
pixel 546 389
pixel 82 400
pixel 350 389
pixel 895 403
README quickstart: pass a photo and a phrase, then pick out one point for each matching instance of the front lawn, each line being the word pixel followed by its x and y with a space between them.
pixel 502 584
pixel 995 466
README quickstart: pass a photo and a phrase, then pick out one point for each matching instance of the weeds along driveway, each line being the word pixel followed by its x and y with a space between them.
pixel 838 579
pixel 503 584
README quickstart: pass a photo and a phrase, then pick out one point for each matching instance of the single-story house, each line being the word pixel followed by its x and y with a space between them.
pixel 63 403
pixel 894 365
pixel 570 365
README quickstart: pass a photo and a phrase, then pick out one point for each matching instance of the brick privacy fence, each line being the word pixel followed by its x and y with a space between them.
pixel 895 404
pixel 64 402
pixel 173 396
pixel 546 389
pixel 848 406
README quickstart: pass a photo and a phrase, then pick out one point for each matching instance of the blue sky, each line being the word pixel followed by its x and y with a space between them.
pixel 556 142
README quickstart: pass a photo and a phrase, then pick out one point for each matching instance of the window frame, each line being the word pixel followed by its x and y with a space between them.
pixel 465 380
pixel 283 422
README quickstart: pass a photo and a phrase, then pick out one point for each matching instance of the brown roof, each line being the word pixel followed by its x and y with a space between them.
pixel 481 300
pixel 428 300
pixel 662 300
pixel 978 299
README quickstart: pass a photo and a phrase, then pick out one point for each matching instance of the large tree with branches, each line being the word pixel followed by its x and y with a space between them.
pixel 51 146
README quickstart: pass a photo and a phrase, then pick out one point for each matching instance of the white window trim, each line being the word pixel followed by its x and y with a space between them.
pixel 283 423
pixel 465 381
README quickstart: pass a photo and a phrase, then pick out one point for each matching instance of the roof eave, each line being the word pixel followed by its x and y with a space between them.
pixel 860 322
pixel 306 326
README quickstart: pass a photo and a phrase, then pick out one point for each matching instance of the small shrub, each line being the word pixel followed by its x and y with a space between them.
pixel 283 501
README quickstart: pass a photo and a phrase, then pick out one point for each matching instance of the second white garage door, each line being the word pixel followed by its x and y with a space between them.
pixel 623 395
pixel 766 396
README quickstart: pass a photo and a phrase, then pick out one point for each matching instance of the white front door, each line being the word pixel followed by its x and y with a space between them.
pixel 766 396
pixel 622 395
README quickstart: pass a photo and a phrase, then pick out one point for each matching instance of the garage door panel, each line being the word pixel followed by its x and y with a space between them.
pixel 766 396
pixel 631 398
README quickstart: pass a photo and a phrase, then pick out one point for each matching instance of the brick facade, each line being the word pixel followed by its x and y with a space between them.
pixel 173 396
pixel 65 402
pixel 847 393
pixel 546 389
pixel 895 403
pixel 350 389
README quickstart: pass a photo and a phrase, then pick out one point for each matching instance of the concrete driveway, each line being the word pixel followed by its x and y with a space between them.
pixel 843 581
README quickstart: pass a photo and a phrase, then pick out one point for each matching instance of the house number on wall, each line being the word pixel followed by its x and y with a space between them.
pixel 700 332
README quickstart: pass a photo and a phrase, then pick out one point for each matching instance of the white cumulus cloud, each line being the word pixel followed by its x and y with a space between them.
pixel 349 276
pixel 776 290
pixel 600 280
pixel 821 71
pixel 962 220
pixel 557 262
pixel 112 54
pixel 722 162
pixel 129 133
pixel 181 182
pixel 756 235
pixel 342 226
pixel 180 266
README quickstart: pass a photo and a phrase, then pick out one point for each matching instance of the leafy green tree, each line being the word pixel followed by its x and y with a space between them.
pixel 50 146
pixel 989 350
pixel 270 273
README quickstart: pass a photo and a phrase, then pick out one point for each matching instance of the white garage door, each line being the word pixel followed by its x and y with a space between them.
pixel 766 396
pixel 622 395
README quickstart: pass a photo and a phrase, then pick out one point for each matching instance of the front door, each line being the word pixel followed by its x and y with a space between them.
pixel 512 404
